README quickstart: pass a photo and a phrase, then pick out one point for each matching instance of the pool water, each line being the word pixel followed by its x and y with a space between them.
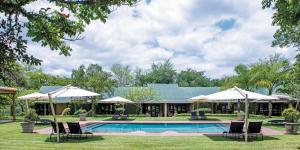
pixel 158 127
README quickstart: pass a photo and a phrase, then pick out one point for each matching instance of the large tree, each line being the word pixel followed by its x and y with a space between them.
pixel 271 73
pixel 162 73
pixel 53 23
pixel 99 81
pixel 192 78
pixel 286 17
pixel 78 77
pixel 140 95
pixel 242 79
pixel 122 74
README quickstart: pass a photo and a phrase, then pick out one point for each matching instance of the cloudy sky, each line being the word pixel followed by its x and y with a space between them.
pixel 207 35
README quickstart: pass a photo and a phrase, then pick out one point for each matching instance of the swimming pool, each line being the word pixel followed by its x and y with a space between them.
pixel 158 127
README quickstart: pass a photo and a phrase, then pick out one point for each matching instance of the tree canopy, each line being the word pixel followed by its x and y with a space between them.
pixel 53 24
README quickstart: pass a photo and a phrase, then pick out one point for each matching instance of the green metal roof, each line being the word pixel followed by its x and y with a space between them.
pixel 172 93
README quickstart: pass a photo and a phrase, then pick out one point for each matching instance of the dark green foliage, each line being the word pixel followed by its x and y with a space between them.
pixel 30 115
pixel 46 25
pixel 192 78
pixel 162 73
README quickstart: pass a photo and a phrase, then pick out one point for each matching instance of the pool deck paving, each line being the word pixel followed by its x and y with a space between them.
pixel 265 130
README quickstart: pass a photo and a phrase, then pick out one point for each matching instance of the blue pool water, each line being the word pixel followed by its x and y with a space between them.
pixel 158 127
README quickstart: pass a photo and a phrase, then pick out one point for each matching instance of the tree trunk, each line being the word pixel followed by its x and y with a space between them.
pixel 297 104
pixel 239 106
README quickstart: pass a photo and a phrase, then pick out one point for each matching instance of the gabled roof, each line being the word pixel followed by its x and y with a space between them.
pixel 172 93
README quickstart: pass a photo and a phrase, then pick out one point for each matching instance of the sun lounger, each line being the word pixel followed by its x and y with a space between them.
pixel 125 116
pixel 254 129
pixel 62 131
pixel 194 115
pixel 235 129
pixel 116 116
pixel 75 130
pixel 202 115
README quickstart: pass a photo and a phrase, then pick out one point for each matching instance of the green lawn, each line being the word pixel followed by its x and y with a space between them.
pixel 12 138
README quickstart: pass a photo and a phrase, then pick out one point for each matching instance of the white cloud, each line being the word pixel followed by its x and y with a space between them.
pixel 183 31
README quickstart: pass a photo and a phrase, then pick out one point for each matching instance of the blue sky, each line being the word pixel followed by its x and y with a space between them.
pixel 212 36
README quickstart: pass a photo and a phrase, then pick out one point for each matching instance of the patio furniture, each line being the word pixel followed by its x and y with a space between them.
pixel 254 129
pixel 43 121
pixel 235 129
pixel 62 131
pixel 277 121
pixel 116 116
pixel 194 115
pixel 202 115
pixel 125 116
pixel 75 130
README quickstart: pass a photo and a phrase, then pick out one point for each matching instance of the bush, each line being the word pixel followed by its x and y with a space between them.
pixel 80 111
pixel 291 114
pixel 30 115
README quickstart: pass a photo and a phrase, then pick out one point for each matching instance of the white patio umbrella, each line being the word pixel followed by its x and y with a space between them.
pixel 197 99
pixel 117 99
pixel 32 96
pixel 67 91
pixel 239 94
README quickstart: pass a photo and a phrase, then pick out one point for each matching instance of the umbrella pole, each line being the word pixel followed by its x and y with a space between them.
pixel 54 116
pixel 246 117
pixel 27 104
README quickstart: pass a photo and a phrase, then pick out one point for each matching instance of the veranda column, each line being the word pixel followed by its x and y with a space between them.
pixel 14 107
pixel 165 110
pixel 239 106
pixel 246 117
pixel 270 108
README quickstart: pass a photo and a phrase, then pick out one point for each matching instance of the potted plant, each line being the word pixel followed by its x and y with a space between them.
pixel 82 114
pixel 291 116
pixel 240 115
pixel 28 123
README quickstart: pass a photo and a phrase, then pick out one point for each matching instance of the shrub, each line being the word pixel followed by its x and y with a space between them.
pixel 80 111
pixel 30 115
pixel 291 114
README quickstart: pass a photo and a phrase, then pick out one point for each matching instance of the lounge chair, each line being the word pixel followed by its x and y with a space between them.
pixel 116 116
pixel 125 116
pixel 194 115
pixel 43 121
pixel 75 130
pixel 62 131
pixel 254 129
pixel 235 129
pixel 202 115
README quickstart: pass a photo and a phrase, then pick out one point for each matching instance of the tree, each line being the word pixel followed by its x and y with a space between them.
pixel 78 77
pixel 286 17
pixel 49 26
pixel 242 79
pixel 14 76
pixel 192 78
pixel 162 73
pixel 140 94
pixel 140 78
pixel 99 81
pixel 271 73
pixel 122 74
pixel 37 78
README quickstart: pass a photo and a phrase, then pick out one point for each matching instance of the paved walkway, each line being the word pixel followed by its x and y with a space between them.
pixel 265 131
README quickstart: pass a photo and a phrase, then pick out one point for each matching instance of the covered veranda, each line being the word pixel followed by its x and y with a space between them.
pixel 11 92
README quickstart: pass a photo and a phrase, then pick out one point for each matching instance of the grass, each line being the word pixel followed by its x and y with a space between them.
pixel 12 138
